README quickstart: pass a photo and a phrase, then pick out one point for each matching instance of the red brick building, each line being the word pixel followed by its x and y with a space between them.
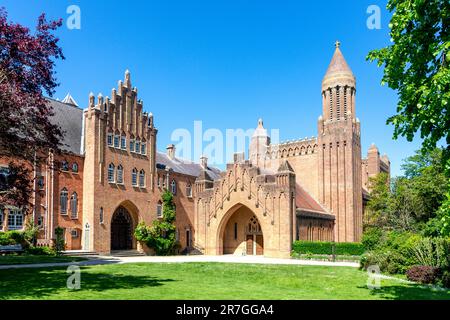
pixel 111 177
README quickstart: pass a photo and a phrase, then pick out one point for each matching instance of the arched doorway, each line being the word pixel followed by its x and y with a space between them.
pixel 121 230
pixel 242 234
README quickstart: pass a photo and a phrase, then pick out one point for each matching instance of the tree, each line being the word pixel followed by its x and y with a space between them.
pixel 26 74
pixel 416 65
pixel 161 235
pixel 411 201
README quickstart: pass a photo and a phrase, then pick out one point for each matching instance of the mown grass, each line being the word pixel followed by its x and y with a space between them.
pixel 10 259
pixel 205 281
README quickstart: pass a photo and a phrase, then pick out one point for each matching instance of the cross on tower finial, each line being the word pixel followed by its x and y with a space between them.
pixel 337 44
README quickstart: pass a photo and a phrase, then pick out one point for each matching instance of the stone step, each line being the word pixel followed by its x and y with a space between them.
pixel 127 253
pixel 79 253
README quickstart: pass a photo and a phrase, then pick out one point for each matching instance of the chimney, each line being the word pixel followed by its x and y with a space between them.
pixel 204 162
pixel 171 151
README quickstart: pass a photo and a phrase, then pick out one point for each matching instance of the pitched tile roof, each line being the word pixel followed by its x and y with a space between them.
pixel 185 166
pixel 70 118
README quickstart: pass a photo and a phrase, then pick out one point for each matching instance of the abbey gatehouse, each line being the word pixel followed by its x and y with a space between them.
pixel 111 177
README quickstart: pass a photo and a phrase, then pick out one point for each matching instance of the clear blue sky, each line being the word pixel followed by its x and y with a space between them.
pixel 226 63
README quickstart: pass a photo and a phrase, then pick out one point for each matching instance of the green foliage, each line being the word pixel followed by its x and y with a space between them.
pixel 371 238
pixel 317 247
pixel 410 202
pixel 433 252
pixel 41 251
pixel 161 235
pixel 440 225
pixel 416 66
pixel 60 244
pixel 31 232
pixel 6 239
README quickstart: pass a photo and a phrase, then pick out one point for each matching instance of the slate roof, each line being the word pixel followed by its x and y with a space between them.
pixel 184 166
pixel 307 206
pixel 70 118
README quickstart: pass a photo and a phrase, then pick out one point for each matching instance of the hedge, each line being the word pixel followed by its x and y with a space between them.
pixel 316 247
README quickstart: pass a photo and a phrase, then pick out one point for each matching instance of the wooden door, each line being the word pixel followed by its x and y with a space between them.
pixel 249 244
pixel 259 245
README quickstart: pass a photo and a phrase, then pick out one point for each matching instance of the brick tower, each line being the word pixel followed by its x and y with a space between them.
pixel 339 140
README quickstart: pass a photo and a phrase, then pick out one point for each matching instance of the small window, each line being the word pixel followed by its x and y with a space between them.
pixel 15 220
pixel 164 181
pixel 101 218
pixel 40 222
pixel 137 146
pixel 189 190
pixel 235 231
pixel 159 213
pixel 75 167
pixel 110 139
pixel 64 166
pixel 119 174
pixel 63 197
pixel 142 178
pixel 74 206
pixel 111 170
pixel 131 145
pixel 159 181
pixel 116 141
pixel 123 142
pixel 134 177
pixel 74 233
pixel 40 182
pixel 173 187
pixel 143 148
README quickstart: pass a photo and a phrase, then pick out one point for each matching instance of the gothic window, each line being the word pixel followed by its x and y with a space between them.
pixel 134 177
pixel 64 166
pixel 74 205
pixel 143 148
pixel 338 103
pixel 131 145
pixel 235 231
pixel 110 139
pixel 4 174
pixel 142 178
pixel 123 142
pixel 15 219
pixel 331 104
pixel 119 174
pixel 345 102
pixel 137 146
pixel 173 187
pixel 75 167
pixel 40 182
pixel 164 181
pixel 116 141
pixel 158 181
pixel 189 190
pixel 111 169
pixel 63 197
pixel 159 210
pixel 253 226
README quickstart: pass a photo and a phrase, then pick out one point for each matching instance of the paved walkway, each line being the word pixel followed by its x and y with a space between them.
pixel 100 260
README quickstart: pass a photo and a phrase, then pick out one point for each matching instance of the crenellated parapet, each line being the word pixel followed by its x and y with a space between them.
pixel 293 148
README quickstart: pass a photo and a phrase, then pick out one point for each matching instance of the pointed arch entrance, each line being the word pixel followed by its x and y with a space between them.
pixel 242 233
pixel 121 230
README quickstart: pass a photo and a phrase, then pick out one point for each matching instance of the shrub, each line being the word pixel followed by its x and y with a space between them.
pixel 433 252
pixel 60 244
pixel 41 251
pixel 318 247
pixel 5 239
pixel 371 238
pixel 423 274
pixel 445 279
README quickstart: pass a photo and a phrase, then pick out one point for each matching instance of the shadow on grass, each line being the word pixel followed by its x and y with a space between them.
pixel 410 292
pixel 42 283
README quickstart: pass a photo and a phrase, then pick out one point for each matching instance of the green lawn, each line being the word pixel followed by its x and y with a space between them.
pixel 32 259
pixel 205 281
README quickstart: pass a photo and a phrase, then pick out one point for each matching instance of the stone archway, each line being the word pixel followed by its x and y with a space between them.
pixel 121 230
